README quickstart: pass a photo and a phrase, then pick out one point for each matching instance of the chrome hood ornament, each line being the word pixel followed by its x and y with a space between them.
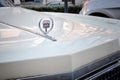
pixel 46 25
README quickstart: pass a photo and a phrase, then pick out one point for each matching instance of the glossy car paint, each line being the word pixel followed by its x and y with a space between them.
pixel 80 40
pixel 110 8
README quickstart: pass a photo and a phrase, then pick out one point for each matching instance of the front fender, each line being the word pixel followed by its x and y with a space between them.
pixel 111 13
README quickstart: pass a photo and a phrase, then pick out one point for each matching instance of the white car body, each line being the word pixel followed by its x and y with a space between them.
pixel 80 41
pixel 102 8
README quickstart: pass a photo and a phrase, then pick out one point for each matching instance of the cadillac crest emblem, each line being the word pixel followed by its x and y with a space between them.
pixel 46 25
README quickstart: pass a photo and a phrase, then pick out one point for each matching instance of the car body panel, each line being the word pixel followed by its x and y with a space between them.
pixel 98 4
pixel 110 8
pixel 77 37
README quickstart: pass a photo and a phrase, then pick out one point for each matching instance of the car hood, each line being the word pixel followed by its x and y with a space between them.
pixel 79 40
pixel 72 32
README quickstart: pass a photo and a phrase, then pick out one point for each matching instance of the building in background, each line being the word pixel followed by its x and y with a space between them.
pixel 31 0
pixel 17 2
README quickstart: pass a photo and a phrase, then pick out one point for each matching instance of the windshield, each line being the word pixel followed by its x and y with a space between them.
pixel 6 3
